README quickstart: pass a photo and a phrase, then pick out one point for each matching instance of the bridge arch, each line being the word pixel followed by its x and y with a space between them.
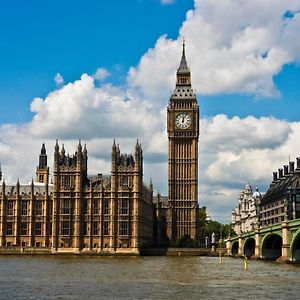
pixel 249 247
pixel 295 246
pixel 271 247
pixel 235 248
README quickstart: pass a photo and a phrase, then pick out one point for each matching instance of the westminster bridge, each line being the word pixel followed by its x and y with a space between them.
pixel 279 241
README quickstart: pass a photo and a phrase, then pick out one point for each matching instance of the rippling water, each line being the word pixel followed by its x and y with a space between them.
pixel 58 277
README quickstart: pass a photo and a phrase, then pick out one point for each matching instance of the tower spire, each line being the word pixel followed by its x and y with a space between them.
pixel 43 157
pixel 183 67
pixel 183 73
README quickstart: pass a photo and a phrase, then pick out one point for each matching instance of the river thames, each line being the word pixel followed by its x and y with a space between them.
pixel 71 277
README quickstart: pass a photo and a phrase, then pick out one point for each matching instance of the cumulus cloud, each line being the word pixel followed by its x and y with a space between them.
pixel 232 46
pixel 101 74
pixel 167 2
pixel 80 109
pixel 59 80
pixel 231 156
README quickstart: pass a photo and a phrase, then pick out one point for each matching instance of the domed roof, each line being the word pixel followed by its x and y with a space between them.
pixel 256 194
pixel 248 188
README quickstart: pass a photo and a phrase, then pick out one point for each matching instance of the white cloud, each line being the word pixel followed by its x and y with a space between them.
pixel 235 151
pixel 81 110
pixel 167 2
pixel 101 74
pixel 232 46
pixel 59 80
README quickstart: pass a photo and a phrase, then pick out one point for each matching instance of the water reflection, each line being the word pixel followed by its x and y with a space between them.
pixel 54 277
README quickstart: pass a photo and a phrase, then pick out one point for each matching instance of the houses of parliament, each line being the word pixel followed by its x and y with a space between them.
pixel 115 213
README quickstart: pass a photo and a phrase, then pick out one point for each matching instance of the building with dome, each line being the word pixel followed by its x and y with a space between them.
pixel 246 215
pixel 280 203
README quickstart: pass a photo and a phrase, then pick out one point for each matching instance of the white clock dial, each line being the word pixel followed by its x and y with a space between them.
pixel 183 121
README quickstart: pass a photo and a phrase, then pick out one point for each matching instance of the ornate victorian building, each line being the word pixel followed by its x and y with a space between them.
pixel 281 202
pixel 245 217
pixel 78 213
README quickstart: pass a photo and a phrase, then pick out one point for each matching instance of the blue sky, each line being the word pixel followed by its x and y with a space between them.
pixel 244 58
pixel 41 38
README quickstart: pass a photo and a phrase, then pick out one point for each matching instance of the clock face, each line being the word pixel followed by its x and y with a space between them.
pixel 183 121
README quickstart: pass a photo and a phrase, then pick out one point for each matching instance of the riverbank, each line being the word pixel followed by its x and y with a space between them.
pixel 172 251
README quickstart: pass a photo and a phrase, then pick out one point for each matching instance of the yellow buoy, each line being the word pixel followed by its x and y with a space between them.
pixel 246 263
pixel 221 257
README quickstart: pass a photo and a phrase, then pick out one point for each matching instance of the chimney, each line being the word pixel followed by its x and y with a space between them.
pixel 286 170
pixel 292 167
pixel 280 173
pixel 274 176
pixel 298 163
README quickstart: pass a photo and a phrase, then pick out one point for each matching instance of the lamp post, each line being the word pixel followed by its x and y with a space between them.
pixel 207 220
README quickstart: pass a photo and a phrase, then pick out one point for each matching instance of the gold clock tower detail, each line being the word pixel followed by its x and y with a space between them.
pixel 183 135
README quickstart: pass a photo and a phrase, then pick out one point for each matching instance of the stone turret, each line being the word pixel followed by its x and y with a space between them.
pixel 42 170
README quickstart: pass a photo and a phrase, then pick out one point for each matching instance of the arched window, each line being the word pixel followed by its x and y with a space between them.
pixel 125 181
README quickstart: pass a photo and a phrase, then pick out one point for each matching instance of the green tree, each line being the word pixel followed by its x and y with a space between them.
pixel 185 241
pixel 207 227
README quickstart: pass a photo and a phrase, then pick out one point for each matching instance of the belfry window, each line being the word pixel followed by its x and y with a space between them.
pixel 125 181
pixel 67 182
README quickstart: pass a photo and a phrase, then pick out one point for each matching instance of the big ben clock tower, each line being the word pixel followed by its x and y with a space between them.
pixel 183 135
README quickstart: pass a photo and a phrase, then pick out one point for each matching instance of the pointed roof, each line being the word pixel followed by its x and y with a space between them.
pixel 79 148
pixel 56 146
pixel 84 149
pixel 43 150
pixel 183 67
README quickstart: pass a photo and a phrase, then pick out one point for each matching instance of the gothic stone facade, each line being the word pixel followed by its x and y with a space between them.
pixel 78 213
pixel 180 212
pixel 112 213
